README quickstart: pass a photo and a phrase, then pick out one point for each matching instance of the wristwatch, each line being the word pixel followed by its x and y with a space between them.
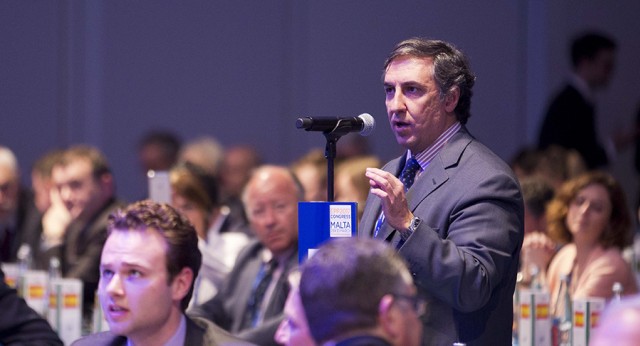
pixel 413 226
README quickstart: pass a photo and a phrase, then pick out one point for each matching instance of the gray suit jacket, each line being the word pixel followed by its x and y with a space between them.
pixel 464 254
pixel 199 332
pixel 227 308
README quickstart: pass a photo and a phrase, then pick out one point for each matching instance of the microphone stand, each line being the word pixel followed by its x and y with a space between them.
pixel 330 153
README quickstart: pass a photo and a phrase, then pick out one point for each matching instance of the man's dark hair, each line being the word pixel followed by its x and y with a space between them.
pixel 450 68
pixel 177 231
pixel 97 160
pixel 537 193
pixel 588 45
pixel 342 284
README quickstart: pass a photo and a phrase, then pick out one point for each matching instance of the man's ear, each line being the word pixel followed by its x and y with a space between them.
pixel 106 182
pixel 181 284
pixel 388 318
pixel 451 99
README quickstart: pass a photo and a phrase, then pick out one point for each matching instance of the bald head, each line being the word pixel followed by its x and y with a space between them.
pixel 271 203
pixel 9 180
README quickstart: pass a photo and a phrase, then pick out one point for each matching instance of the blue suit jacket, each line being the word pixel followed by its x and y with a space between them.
pixel 464 254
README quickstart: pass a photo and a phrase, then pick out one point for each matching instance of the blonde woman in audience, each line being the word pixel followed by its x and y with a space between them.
pixel 351 185
pixel 590 214
pixel 311 171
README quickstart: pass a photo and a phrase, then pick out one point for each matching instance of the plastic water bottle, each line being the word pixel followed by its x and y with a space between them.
pixel 617 291
pixel 24 264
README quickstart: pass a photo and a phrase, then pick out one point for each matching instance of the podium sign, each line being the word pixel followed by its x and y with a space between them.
pixel 320 221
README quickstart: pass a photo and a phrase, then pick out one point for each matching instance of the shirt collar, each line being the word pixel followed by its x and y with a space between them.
pixel 424 157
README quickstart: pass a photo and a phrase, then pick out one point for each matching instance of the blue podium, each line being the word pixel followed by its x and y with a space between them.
pixel 320 221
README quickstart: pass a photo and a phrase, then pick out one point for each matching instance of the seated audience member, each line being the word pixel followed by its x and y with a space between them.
pixel 352 145
pixel 358 291
pixel 204 152
pixel 158 151
pixel 149 263
pixel 195 194
pixel 311 170
pixel 51 217
pixel 590 214
pixel 555 164
pixel 618 324
pixel 16 205
pixel 350 183
pixel 537 248
pixel 237 165
pixel 21 325
pixel 87 189
pixel 251 301
pixel 558 164
pixel 294 329
pixel 525 162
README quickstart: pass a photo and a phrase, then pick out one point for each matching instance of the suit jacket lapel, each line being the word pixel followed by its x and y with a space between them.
pixel 436 173
pixel 431 179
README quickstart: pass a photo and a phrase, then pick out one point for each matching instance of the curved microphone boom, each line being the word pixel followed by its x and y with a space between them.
pixel 363 123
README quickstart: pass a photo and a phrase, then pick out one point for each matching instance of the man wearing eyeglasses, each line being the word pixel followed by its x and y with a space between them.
pixel 358 291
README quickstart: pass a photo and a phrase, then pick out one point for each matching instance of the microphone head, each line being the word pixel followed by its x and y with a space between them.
pixel 368 124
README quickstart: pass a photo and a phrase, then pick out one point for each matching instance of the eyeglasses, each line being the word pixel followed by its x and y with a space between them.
pixel 417 303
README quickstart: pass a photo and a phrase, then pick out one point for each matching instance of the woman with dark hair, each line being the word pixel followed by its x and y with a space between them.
pixel 590 214
pixel 195 194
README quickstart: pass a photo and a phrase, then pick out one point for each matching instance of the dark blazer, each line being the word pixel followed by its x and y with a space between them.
pixel 21 325
pixel 464 254
pixel 570 123
pixel 199 332
pixel 227 308
pixel 22 233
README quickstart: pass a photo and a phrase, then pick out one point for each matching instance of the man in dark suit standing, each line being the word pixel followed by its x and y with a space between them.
pixel 570 121
pixel 251 301
pixel 147 269
pixel 451 207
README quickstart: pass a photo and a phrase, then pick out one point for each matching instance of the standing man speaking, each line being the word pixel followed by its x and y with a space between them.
pixel 451 207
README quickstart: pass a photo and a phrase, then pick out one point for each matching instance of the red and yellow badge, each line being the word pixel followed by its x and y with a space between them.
pixel 36 291
pixel 525 311
pixel 70 300
pixel 542 311
pixel 578 319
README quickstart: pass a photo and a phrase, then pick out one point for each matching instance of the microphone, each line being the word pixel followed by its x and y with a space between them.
pixel 363 123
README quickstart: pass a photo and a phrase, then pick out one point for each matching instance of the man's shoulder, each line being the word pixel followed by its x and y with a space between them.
pixel 101 339
pixel 465 149
pixel 213 335
pixel 569 95
pixel 100 220
pixel 249 252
